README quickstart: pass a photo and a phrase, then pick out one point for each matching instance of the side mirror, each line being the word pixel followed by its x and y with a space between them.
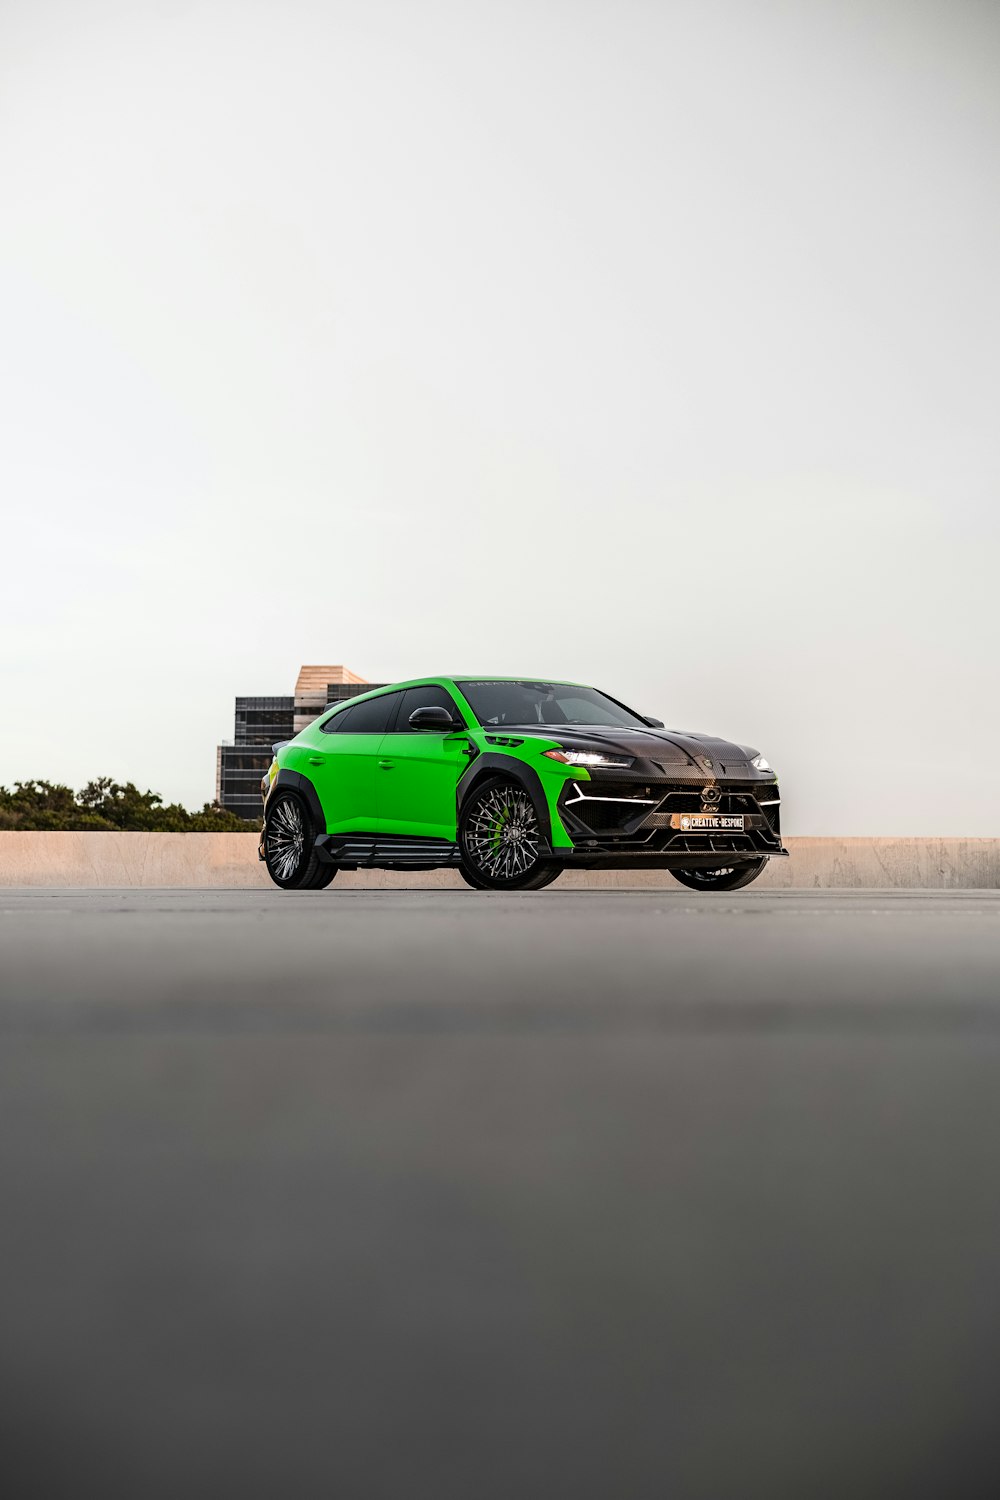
pixel 432 718
pixel 653 723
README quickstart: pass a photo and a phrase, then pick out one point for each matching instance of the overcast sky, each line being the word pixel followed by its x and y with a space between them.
pixel 651 344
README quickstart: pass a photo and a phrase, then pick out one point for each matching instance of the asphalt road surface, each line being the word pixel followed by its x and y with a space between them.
pixel 378 1195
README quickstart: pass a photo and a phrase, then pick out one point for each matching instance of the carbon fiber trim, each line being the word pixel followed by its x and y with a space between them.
pixel 385 851
pixel 636 818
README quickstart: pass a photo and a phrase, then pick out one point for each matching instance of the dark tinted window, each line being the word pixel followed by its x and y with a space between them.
pixel 430 696
pixel 545 703
pixel 371 717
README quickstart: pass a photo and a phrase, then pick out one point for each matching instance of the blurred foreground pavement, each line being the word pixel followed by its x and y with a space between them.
pixel 603 1195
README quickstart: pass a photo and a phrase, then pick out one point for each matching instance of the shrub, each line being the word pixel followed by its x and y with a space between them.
pixel 111 806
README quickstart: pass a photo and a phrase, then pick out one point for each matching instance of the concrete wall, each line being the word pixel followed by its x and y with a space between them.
pixel 230 859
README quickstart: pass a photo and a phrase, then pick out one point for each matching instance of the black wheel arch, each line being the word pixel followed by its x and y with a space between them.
pixel 293 781
pixel 488 767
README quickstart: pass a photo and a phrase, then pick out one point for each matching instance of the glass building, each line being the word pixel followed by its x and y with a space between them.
pixel 262 722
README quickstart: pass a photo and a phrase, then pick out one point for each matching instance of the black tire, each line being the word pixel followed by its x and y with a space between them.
pixel 498 835
pixel 290 846
pixel 727 878
pixel 477 885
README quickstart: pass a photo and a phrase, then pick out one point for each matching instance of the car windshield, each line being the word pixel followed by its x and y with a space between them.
pixel 546 703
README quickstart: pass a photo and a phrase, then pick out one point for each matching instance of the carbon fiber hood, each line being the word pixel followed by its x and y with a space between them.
pixel 664 747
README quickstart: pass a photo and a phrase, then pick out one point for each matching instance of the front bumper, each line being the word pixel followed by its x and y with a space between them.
pixel 624 821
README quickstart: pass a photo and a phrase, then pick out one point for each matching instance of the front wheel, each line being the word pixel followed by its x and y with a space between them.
pixel 289 847
pixel 499 836
pixel 547 878
pixel 726 878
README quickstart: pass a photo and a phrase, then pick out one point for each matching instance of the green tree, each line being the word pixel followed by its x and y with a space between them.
pixel 108 805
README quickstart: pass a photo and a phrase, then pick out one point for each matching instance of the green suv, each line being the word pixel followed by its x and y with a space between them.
pixel 510 781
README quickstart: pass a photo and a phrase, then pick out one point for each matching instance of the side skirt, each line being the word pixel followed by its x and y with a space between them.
pixel 383 851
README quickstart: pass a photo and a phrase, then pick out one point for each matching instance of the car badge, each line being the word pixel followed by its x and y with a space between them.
pixel 707 764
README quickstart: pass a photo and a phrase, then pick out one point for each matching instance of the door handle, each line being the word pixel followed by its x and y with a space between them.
pixel 386 765
pixel 317 760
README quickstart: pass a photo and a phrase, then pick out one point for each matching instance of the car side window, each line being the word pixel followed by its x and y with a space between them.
pixel 373 716
pixel 428 696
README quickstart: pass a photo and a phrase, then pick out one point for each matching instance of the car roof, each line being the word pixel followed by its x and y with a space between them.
pixel 448 677
pixel 538 677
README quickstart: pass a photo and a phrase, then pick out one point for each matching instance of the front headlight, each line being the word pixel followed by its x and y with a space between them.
pixel 588 758
pixel 760 764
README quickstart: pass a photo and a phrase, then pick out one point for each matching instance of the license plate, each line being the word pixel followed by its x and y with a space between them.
pixel 707 822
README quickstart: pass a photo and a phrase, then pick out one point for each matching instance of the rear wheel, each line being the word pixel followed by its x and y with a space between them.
pixel 289 846
pixel 499 836
pixel 726 878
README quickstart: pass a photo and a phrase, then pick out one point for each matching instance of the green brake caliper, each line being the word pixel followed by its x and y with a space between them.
pixel 499 827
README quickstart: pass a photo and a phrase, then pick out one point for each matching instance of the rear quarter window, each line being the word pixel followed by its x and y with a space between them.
pixel 372 716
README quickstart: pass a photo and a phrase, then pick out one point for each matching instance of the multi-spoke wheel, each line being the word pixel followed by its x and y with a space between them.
pixel 500 837
pixel 725 878
pixel 289 846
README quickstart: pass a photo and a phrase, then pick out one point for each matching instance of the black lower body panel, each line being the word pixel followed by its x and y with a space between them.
pixel 700 859
pixel 380 851
pixel 619 823
pixel 385 851
pixel 649 847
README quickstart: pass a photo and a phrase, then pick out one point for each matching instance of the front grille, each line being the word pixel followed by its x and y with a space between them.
pixel 608 807
pixel 628 815
pixel 607 817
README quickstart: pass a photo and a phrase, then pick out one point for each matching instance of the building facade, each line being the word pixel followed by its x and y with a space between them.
pixel 262 722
